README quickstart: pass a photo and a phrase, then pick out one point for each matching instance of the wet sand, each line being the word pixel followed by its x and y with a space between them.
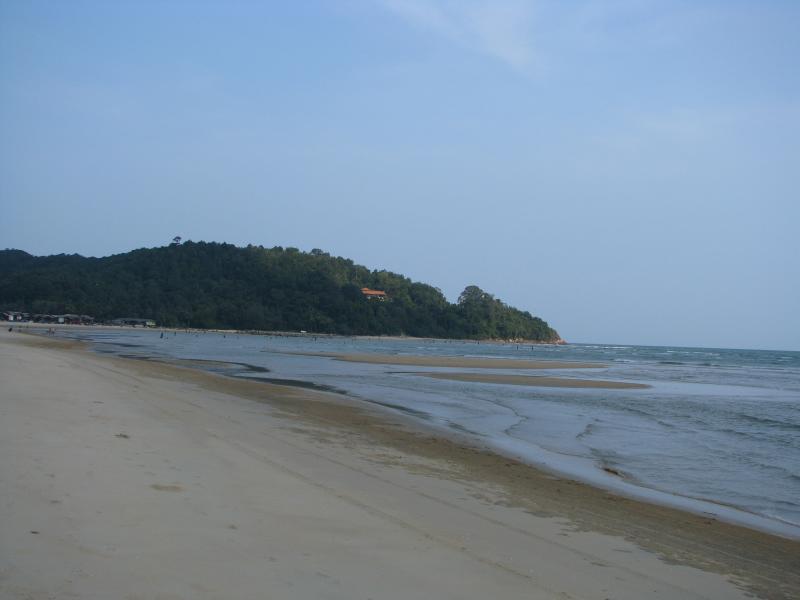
pixel 458 362
pixel 150 480
pixel 535 381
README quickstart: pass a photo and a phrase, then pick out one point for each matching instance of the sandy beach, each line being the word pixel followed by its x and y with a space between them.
pixel 135 479
pixel 536 381
pixel 458 362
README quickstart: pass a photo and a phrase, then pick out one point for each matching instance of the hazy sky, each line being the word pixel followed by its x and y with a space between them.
pixel 629 170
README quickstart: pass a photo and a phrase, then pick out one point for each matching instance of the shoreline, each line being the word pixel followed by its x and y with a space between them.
pixel 686 538
pixel 583 470
pixel 299 334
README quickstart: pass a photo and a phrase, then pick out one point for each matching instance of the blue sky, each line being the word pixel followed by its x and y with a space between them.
pixel 626 169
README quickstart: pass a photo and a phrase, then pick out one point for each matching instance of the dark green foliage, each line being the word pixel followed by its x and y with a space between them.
pixel 221 286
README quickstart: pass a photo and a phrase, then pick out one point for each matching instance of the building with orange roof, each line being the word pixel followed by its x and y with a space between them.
pixel 374 294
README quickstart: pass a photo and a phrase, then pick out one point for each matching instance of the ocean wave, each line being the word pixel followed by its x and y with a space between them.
pixel 587 431
pixel 784 472
pixel 774 423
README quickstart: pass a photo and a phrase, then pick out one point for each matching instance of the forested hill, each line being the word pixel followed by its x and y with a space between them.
pixel 214 285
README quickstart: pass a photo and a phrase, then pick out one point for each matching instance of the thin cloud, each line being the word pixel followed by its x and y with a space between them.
pixel 500 28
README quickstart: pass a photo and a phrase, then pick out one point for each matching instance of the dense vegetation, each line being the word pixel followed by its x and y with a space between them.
pixel 281 289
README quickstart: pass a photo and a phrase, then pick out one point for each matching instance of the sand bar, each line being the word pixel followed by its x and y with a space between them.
pixel 535 380
pixel 458 362
pixel 125 478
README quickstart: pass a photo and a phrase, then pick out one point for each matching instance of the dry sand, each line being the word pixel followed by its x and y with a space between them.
pixel 457 362
pixel 126 479
pixel 536 381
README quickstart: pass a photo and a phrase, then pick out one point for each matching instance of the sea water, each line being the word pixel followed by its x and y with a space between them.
pixel 717 426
